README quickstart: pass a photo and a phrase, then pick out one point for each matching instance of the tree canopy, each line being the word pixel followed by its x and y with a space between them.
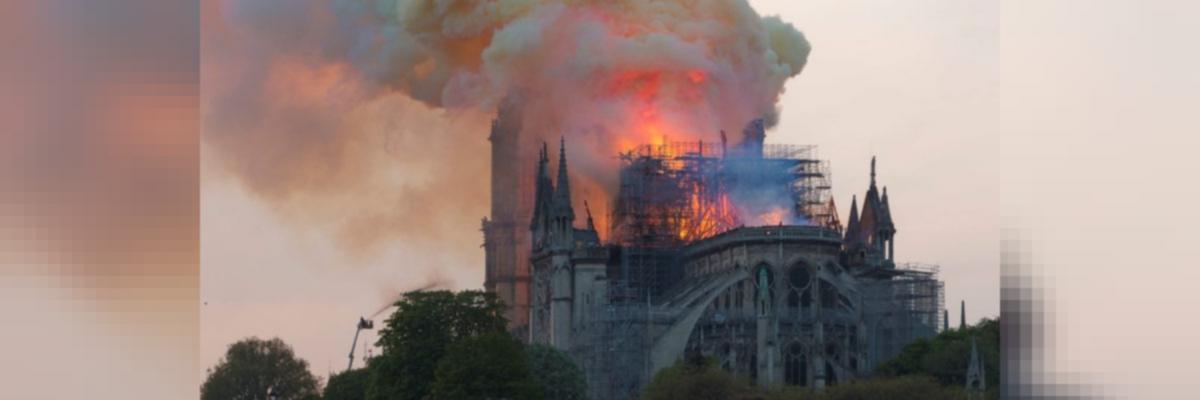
pixel 420 332
pixel 557 376
pixel 436 345
pixel 692 380
pixel 348 385
pixel 927 369
pixel 902 388
pixel 251 367
pixel 945 356
pixel 489 366
pixel 700 379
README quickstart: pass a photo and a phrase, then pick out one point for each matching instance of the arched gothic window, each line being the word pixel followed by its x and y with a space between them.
pixel 795 366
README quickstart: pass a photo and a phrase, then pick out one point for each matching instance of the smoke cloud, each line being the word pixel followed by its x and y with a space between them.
pixel 623 71
pixel 369 118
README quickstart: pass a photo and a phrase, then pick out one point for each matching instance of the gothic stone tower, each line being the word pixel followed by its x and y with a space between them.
pixel 870 239
pixel 553 240
pixel 506 235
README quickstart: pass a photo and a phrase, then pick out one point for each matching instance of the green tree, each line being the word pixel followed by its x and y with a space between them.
pixel 697 378
pixel 945 356
pixel 490 366
pixel 905 388
pixel 418 334
pixel 555 374
pixel 252 367
pixel 349 385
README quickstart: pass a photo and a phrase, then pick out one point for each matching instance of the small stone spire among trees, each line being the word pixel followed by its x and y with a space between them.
pixel 962 316
pixel 976 379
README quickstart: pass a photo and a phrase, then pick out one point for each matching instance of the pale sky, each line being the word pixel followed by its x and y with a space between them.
pixel 1070 122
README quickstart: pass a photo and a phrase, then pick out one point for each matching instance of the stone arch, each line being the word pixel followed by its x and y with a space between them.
pixel 834 268
pixel 670 345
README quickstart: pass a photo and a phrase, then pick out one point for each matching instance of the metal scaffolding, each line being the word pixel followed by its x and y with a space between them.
pixel 899 310
pixel 613 350
pixel 676 193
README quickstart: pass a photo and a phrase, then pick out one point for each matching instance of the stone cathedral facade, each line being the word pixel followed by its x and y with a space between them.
pixel 805 304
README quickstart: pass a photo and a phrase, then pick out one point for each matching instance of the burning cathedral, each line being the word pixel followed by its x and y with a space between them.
pixel 733 251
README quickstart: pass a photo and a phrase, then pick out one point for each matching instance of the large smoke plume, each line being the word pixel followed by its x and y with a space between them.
pixel 370 116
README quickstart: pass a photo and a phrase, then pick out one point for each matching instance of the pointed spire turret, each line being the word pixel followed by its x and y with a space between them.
pixel 543 194
pixel 872 206
pixel 976 378
pixel 962 316
pixel 852 223
pixel 563 183
pixel 561 211
pixel 872 172
pixel 854 209
pixel 543 186
pixel 875 224
pixel 885 213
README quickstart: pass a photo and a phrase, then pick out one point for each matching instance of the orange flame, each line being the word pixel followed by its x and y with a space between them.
pixel 708 218
pixel 776 216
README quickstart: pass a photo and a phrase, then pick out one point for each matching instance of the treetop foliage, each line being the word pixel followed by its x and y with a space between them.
pixel 252 367
pixel 418 334
pixel 348 385
pixel 902 388
pixel 557 376
pixel 436 345
pixel 945 356
pixel 700 379
pixel 928 369
pixel 488 366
